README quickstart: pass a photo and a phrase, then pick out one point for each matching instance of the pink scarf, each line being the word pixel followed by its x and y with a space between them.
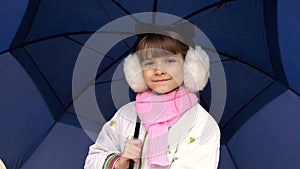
pixel 158 113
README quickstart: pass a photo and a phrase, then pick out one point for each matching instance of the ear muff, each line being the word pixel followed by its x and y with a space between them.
pixel 195 67
pixel 133 73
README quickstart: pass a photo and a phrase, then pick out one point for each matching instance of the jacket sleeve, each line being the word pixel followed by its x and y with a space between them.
pixel 106 147
pixel 198 153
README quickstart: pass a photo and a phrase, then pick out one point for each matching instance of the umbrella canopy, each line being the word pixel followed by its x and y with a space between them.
pixel 41 41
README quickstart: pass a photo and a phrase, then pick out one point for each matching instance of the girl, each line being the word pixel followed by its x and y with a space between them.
pixel 176 132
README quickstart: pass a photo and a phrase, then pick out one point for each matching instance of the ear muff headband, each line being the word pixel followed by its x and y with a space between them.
pixel 195 67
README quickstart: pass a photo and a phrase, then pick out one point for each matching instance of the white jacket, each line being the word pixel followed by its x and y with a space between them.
pixel 194 140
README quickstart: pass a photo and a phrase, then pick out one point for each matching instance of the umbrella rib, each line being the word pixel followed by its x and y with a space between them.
pixel 125 10
pixel 200 23
pixel 106 12
pixel 271 29
pixel 231 156
pixel 115 61
pixel 92 49
pixel 26 24
pixel 47 38
pixel 206 107
pixel 108 81
pixel 100 74
pixel 5 51
pixel 74 114
pixel 106 55
pixel 248 64
pixel 154 10
pixel 231 57
pixel 218 4
pixel 44 77
pixel 245 105
pixel 273 90
pixel 63 35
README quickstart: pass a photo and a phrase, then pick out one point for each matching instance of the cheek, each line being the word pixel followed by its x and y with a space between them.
pixel 146 75
pixel 178 75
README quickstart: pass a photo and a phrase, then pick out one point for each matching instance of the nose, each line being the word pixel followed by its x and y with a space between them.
pixel 159 71
pixel 159 68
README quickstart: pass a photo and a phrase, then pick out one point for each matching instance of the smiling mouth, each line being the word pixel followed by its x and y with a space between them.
pixel 162 80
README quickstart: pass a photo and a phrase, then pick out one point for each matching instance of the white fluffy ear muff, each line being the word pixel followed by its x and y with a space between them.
pixel 196 69
pixel 133 73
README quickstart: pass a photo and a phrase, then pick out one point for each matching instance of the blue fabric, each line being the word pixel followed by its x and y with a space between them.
pixel 270 138
pixel 289 35
pixel 105 104
pixel 225 161
pixel 57 70
pixel 241 89
pixel 87 111
pixel 70 16
pixel 10 19
pixel 185 8
pixel 24 116
pixel 237 29
pixel 264 97
pixel 49 95
pixel 89 125
pixel 64 147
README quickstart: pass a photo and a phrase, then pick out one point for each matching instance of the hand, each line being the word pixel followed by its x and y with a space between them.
pixel 132 151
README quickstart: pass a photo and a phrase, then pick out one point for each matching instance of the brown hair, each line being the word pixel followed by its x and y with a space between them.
pixel 156 45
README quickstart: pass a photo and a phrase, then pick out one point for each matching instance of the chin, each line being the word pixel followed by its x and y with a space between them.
pixel 159 92
pixel 164 91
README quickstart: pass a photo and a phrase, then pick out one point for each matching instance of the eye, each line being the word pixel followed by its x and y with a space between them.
pixel 170 60
pixel 147 63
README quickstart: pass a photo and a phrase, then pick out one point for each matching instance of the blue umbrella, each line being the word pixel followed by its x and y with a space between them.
pixel 40 41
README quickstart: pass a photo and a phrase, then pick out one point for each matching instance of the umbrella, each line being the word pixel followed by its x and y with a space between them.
pixel 41 41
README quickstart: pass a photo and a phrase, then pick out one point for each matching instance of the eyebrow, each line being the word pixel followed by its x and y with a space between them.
pixel 167 55
pixel 150 58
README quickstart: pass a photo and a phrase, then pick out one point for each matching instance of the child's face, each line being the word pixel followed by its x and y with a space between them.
pixel 163 74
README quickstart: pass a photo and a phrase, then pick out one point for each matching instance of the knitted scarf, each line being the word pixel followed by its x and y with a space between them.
pixel 158 112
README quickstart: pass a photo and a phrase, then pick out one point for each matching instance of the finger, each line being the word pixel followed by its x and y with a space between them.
pixel 132 152
pixel 132 149
pixel 134 142
pixel 135 160
pixel 130 156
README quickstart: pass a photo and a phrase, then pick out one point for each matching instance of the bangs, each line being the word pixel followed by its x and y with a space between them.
pixel 156 45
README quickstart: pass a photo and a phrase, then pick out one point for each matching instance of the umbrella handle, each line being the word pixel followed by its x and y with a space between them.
pixel 131 164
pixel 136 135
